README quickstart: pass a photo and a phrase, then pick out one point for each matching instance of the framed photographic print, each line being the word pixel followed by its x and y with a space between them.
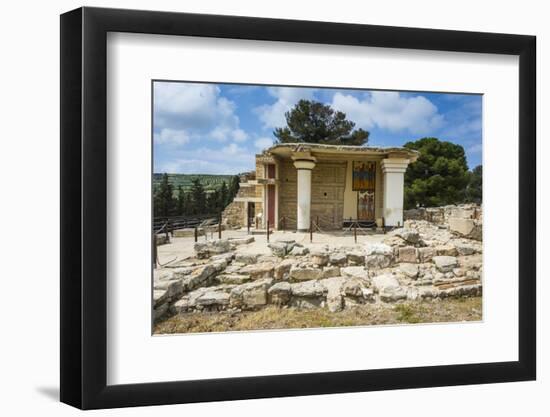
pixel 257 207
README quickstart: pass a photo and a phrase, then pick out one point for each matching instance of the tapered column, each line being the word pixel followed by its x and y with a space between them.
pixel 304 167
pixel 394 183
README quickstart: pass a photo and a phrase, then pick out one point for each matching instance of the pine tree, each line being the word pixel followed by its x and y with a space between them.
pixel 315 122
pixel 474 189
pixel 438 177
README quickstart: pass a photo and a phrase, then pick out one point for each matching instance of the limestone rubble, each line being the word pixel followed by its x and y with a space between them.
pixel 422 260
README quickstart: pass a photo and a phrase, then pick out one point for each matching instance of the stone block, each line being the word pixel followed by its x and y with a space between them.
pixel 408 254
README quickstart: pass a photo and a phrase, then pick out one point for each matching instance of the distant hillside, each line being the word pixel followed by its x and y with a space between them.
pixel 209 182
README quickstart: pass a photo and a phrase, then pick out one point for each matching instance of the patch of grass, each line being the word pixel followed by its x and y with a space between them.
pixel 449 310
pixel 407 313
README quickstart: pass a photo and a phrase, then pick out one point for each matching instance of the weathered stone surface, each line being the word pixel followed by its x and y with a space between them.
pixel 462 290
pixel 355 272
pixel 445 263
pixel 182 272
pixel 160 296
pixel 458 272
pixel 213 297
pixel 473 274
pixel 446 250
pixel 298 273
pixel 259 271
pixel 335 301
pixel 409 235
pixel 461 225
pixel 246 258
pixel 250 295
pixel 282 269
pixel 281 248
pixel 413 293
pixel 356 258
pixel 162 274
pixel 219 265
pixel 465 248
pixel 212 247
pixel 319 258
pixel 383 281
pixel 427 292
pixel 353 287
pixel 378 261
pixel 268 258
pixel 226 257
pixel 299 251
pixel 279 293
pixel 237 241
pixel 338 258
pixel 198 277
pixel 388 288
pixel 368 294
pixel 278 248
pixel 173 287
pixel 233 268
pixel 188 301
pixel 408 254
pixel 233 278
pixel 391 294
pixel 379 255
pixel 409 270
pixel 426 254
pixel 331 271
pixel 312 288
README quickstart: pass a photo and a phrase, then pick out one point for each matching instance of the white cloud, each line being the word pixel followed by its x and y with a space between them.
pixel 230 159
pixel 186 105
pixel 273 115
pixel 391 111
pixel 198 109
pixel 193 166
pixel 239 135
pixel 172 136
pixel 262 143
pixel 233 149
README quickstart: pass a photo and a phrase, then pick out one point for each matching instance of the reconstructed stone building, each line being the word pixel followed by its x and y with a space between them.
pixel 295 184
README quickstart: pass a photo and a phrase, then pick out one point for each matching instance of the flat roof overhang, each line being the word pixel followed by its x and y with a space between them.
pixel 287 150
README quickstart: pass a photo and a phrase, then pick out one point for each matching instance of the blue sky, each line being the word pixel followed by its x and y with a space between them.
pixel 218 128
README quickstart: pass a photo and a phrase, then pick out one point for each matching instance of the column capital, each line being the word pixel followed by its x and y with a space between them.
pixel 303 163
pixel 397 165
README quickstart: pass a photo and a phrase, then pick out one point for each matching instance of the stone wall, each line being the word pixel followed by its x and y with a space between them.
pixel 464 219
pixel 417 262
pixel 234 215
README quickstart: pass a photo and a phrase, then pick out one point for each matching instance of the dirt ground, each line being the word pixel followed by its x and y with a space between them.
pixel 448 310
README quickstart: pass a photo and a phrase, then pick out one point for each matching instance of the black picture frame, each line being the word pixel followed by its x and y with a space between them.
pixel 84 207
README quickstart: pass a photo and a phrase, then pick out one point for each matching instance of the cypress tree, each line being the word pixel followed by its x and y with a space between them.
pixel 164 203
pixel 198 196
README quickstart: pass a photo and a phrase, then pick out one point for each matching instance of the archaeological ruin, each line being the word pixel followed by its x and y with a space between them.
pixel 435 254
pixel 332 185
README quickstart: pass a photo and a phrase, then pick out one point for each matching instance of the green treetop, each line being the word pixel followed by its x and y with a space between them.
pixel 314 122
